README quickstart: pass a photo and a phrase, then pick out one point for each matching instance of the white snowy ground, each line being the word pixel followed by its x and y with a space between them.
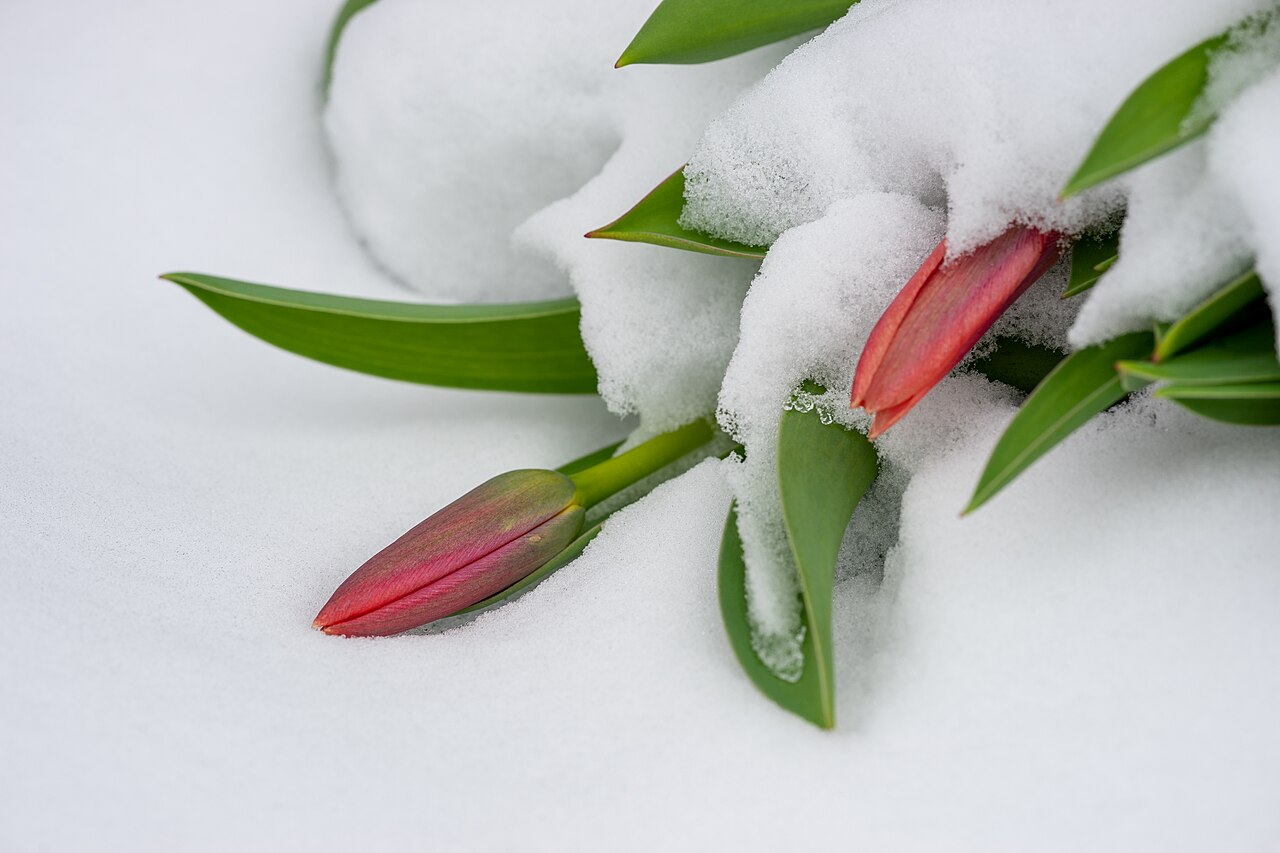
pixel 177 500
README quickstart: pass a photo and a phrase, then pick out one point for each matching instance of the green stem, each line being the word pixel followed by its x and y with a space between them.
pixel 613 475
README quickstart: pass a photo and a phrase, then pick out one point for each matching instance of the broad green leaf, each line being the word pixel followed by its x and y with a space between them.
pixel 823 471
pixel 345 14
pixel 1156 118
pixel 533 346
pixel 1018 364
pixel 656 219
pixel 689 31
pixel 1084 384
pixel 564 558
pixel 1246 356
pixel 1255 404
pixel 1090 258
pixel 1207 318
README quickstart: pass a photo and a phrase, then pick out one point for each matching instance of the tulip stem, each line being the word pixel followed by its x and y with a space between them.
pixel 613 475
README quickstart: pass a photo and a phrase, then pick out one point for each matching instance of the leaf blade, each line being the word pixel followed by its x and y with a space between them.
pixel 1255 404
pixel 348 11
pixel 1090 258
pixel 685 32
pixel 529 347
pixel 1243 357
pixel 1154 119
pixel 1208 317
pixel 1084 384
pixel 655 219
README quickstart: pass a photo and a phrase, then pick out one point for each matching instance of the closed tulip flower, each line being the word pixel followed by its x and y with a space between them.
pixel 938 317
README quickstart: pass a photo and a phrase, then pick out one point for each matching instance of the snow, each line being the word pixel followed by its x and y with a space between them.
pixel 1088 662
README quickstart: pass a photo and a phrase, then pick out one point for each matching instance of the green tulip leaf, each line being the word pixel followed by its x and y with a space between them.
pixel 1208 318
pixel 823 471
pixel 1167 109
pixel 1090 258
pixel 592 459
pixel 1159 116
pixel 1246 356
pixel 1082 385
pixel 656 219
pixel 1255 404
pixel 345 14
pixel 1018 364
pixel 684 32
pixel 531 347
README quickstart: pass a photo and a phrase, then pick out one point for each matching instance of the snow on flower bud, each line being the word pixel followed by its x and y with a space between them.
pixel 476 546
pixel 938 317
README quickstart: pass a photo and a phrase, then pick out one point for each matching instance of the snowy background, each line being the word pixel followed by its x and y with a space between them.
pixel 1091 661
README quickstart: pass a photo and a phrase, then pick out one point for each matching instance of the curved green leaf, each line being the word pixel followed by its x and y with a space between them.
pixel 1156 118
pixel 1084 384
pixel 1090 258
pixel 1208 318
pixel 345 14
pixel 532 347
pixel 1256 404
pixel 823 471
pixel 683 32
pixel 1246 356
pixel 656 219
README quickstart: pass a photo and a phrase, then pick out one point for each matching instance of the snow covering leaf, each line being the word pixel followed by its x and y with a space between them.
pixel 684 32
pixel 823 471
pixel 345 14
pixel 1208 317
pixel 1254 404
pixel 1245 356
pixel 532 346
pixel 1084 384
pixel 1090 258
pixel 656 219
pixel 1157 117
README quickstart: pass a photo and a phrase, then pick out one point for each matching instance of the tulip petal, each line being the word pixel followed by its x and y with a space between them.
pixel 941 314
pixel 476 525
pixel 473 582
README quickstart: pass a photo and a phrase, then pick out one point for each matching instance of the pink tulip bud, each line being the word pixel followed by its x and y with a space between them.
pixel 938 317
pixel 476 546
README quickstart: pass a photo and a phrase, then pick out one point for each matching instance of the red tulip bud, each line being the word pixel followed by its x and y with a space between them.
pixel 938 317
pixel 476 546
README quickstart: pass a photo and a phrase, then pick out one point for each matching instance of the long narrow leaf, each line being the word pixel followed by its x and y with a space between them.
pixel 532 347
pixel 691 31
pixel 1156 118
pixel 1019 364
pixel 1084 384
pixel 656 219
pixel 1207 318
pixel 1246 356
pixel 1255 404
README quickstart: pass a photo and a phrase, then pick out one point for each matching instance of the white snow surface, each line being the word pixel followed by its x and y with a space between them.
pixel 1089 662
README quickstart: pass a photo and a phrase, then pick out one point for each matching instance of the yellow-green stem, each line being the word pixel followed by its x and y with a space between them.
pixel 613 475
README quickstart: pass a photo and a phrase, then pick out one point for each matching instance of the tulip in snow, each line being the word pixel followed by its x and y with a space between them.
pixel 938 317
pixel 488 540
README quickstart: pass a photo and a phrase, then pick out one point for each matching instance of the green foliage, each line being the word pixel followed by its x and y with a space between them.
pixel 1243 357
pixel 1208 318
pixel 1090 258
pixel 1018 364
pixel 656 219
pixel 1082 385
pixel 345 14
pixel 690 31
pixel 1159 116
pixel 531 347
pixel 1254 404
pixel 823 471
